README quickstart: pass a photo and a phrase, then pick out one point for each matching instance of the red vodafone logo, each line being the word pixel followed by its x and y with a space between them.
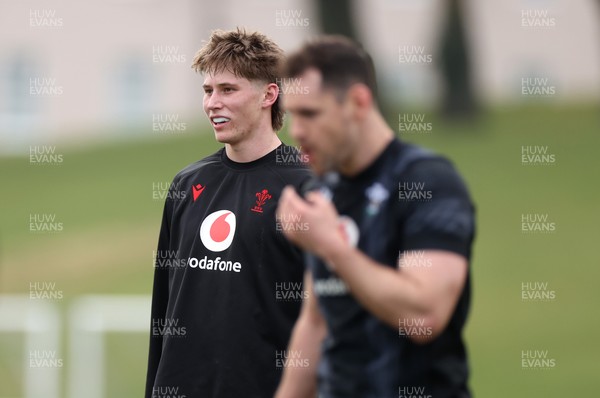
pixel 217 230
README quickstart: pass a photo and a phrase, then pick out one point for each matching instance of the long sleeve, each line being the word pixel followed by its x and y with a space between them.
pixel 160 296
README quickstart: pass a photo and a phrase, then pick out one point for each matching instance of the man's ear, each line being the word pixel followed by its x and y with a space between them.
pixel 361 98
pixel 271 94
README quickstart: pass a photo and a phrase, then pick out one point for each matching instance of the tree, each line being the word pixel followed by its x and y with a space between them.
pixel 336 17
pixel 458 98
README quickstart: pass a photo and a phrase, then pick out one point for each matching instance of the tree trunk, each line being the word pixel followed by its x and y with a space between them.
pixel 336 17
pixel 458 98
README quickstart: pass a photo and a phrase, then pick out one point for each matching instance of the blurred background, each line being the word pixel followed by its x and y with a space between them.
pixel 99 109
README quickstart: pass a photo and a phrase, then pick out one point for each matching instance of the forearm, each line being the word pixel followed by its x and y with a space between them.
pixel 301 382
pixel 386 293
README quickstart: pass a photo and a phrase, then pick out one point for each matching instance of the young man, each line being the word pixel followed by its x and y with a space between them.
pixel 388 278
pixel 217 323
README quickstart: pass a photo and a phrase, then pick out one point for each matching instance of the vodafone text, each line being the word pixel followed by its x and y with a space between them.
pixel 214 265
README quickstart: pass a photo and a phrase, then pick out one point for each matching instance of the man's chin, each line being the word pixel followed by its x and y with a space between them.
pixel 317 169
pixel 223 137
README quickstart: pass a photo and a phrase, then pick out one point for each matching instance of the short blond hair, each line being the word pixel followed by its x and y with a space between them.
pixel 252 56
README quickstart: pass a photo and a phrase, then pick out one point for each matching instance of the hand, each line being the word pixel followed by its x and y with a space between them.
pixel 312 224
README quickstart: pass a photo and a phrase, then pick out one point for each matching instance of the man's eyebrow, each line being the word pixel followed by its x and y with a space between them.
pixel 221 84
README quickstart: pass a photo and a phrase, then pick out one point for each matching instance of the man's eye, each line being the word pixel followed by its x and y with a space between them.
pixel 227 90
pixel 207 91
pixel 309 113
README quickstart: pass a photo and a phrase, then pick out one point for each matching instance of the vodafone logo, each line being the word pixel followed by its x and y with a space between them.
pixel 217 230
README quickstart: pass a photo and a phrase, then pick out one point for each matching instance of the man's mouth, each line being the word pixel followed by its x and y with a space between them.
pixel 219 120
pixel 306 152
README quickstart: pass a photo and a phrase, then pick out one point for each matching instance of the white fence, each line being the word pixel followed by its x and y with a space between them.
pixel 89 318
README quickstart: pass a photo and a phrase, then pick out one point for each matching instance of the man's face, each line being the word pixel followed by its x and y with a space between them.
pixel 320 123
pixel 233 106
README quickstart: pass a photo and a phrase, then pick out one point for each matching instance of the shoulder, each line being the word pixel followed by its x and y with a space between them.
pixel 435 206
pixel 432 171
pixel 439 174
pixel 193 168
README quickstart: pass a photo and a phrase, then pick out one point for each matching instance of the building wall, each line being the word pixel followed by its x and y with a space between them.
pixel 103 64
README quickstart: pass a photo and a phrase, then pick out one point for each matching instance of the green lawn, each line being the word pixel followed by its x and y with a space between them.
pixel 103 197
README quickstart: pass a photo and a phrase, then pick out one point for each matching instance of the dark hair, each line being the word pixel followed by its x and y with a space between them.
pixel 341 62
pixel 249 55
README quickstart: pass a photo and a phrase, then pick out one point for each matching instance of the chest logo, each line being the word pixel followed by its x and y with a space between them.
pixel 197 190
pixel 377 194
pixel 217 230
pixel 261 198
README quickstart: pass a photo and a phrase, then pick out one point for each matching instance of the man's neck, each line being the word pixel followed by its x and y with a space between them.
pixel 254 148
pixel 374 138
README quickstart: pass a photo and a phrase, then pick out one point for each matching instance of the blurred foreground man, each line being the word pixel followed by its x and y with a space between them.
pixel 217 325
pixel 390 234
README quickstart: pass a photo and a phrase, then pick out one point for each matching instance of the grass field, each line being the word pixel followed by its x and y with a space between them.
pixel 104 198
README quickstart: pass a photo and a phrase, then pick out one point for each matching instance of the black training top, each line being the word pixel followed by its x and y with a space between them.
pixel 425 206
pixel 226 282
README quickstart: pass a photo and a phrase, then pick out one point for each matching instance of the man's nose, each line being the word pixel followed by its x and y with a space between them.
pixel 214 101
